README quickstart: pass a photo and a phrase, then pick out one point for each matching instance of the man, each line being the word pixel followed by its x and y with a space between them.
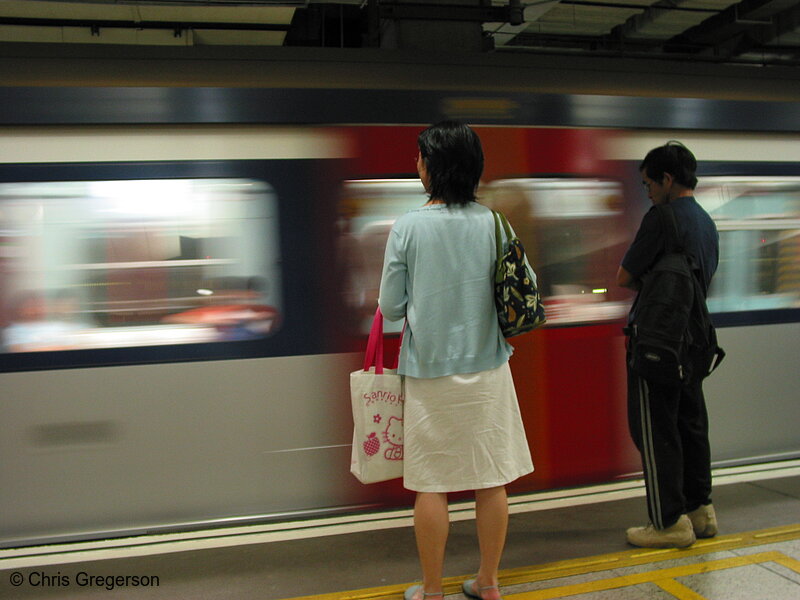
pixel 669 423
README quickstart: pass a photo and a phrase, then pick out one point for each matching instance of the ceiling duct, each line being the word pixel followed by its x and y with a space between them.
pixel 444 25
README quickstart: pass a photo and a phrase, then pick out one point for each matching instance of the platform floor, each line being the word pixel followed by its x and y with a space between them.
pixel 567 544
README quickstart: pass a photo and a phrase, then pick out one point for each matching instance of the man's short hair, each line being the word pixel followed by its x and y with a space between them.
pixel 454 160
pixel 673 158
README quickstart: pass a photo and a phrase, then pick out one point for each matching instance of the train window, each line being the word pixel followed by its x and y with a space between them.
pixel 571 228
pixel 106 264
pixel 368 210
pixel 573 233
pixel 758 219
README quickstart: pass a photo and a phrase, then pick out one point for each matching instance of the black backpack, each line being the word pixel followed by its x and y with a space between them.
pixel 671 337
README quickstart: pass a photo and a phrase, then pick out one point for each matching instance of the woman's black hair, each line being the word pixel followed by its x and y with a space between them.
pixel 453 157
pixel 673 158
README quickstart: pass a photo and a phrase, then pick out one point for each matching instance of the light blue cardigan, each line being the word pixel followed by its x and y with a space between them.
pixel 438 271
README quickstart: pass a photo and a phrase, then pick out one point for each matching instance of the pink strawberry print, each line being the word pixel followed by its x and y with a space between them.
pixel 372 445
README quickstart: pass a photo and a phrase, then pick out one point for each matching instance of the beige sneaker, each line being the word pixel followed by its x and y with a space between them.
pixel 679 535
pixel 704 521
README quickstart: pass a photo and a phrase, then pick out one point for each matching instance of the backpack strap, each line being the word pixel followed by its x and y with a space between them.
pixel 500 221
pixel 672 242
pixel 670 227
pixel 719 354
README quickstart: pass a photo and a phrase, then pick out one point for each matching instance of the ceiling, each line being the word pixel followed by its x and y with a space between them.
pixel 755 32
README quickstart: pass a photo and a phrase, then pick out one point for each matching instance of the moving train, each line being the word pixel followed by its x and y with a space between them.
pixel 186 277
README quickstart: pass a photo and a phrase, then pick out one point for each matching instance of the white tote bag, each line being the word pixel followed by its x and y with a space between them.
pixel 376 394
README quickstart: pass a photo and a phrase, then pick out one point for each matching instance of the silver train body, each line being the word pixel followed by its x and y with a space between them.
pixel 146 421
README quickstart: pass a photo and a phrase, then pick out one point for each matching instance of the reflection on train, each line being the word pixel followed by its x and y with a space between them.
pixel 189 325
pixel 97 264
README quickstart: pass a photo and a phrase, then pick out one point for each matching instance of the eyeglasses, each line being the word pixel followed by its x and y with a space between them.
pixel 649 183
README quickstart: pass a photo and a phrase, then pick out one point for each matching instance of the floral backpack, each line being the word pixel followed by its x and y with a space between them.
pixel 519 306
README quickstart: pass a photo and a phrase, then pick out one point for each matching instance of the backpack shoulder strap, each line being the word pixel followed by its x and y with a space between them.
pixel 673 242
pixel 670 227
pixel 500 222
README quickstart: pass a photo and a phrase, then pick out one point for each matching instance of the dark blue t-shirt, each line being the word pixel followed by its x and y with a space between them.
pixel 696 230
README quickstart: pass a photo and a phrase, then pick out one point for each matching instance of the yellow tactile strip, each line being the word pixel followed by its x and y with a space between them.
pixel 664 578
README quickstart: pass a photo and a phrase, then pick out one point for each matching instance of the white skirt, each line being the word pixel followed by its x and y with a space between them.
pixel 463 432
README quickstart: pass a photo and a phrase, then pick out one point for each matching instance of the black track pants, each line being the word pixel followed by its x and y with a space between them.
pixel 669 425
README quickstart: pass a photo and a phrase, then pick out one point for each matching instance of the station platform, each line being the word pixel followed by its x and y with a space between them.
pixel 561 544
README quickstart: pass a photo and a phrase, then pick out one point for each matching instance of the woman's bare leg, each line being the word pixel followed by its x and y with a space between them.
pixel 431 526
pixel 491 510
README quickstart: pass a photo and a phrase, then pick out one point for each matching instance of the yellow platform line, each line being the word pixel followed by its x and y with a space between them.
pixel 594 564
pixel 789 563
pixel 656 577
pixel 678 590
pixel 777 531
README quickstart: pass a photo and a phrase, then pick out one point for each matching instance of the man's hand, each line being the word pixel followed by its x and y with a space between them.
pixel 626 280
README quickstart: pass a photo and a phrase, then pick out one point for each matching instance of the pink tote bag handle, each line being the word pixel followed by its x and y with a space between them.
pixel 373 357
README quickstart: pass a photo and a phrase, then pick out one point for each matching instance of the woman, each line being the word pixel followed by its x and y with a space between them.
pixel 463 429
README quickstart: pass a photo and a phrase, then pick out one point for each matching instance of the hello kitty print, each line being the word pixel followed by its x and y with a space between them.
pixel 393 436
